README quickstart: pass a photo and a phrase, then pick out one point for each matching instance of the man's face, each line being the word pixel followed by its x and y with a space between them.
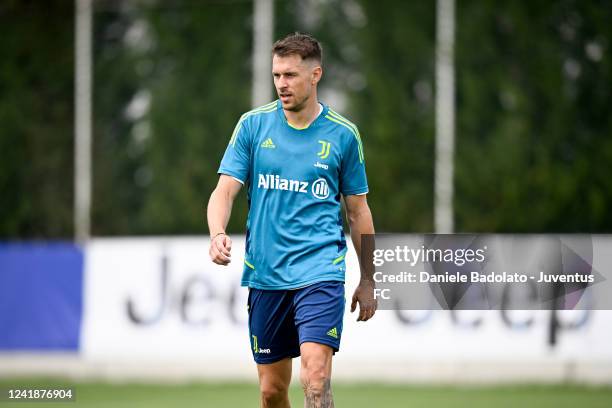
pixel 295 80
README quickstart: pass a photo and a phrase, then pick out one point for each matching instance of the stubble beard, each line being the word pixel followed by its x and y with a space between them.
pixel 298 106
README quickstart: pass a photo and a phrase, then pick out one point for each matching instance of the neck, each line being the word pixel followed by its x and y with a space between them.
pixel 303 118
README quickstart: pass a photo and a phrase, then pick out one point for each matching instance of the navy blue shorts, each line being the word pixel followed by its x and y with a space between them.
pixel 281 320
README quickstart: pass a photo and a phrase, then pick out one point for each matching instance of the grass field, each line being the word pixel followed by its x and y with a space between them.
pixel 355 396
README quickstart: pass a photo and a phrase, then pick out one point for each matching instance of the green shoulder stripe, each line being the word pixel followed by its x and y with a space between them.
pixel 343 119
pixel 270 107
pixel 348 122
pixel 259 108
pixel 356 134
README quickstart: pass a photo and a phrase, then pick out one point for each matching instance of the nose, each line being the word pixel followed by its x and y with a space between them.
pixel 281 82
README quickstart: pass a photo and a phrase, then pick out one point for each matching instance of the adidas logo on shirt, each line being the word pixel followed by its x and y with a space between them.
pixel 268 144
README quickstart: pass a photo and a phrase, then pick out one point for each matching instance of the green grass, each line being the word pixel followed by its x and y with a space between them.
pixel 355 396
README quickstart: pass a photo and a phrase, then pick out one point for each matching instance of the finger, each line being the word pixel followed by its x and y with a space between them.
pixel 221 261
pixel 222 249
pixel 366 314
pixel 353 304
pixel 362 312
pixel 218 261
pixel 224 259
pixel 372 306
pixel 213 252
pixel 370 313
pixel 228 243
pixel 370 310
pixel 218 257
pixel 220 246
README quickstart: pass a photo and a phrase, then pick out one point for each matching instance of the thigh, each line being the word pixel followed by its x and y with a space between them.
pixel 272 330
pixel 316 358
pixel 319 314
pixel 275 376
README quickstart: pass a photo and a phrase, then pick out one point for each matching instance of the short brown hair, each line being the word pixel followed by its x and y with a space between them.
pixel 301 44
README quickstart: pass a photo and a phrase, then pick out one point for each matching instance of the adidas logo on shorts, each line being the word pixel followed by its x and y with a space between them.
pixel 333 333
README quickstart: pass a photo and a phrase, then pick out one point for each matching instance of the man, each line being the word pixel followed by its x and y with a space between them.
pixel 298 158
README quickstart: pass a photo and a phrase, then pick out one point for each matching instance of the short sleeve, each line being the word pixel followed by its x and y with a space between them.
pixel 353 178
pixel 236 160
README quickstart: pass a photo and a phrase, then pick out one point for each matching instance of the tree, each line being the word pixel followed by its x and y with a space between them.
pixel 36 113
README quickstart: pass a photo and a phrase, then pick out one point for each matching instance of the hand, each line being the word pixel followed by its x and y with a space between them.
pixel 220 248
pixel 364 295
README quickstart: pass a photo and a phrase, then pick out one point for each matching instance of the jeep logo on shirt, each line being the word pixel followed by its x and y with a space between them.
pixel 320 188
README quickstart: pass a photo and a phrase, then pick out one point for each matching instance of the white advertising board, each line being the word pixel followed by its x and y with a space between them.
pixel 159 300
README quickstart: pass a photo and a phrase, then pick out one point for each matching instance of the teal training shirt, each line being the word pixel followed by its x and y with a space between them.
pixel 294 179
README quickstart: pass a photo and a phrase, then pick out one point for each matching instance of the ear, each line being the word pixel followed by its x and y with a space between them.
pixel 317 72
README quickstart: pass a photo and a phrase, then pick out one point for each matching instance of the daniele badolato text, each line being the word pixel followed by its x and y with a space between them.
pixel 460 258
pixel 479 277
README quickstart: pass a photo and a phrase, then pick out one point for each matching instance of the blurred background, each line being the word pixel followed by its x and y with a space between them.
pixel 476 116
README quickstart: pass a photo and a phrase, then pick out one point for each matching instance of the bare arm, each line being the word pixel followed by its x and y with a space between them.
pixel 218 214
pixel 360 221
